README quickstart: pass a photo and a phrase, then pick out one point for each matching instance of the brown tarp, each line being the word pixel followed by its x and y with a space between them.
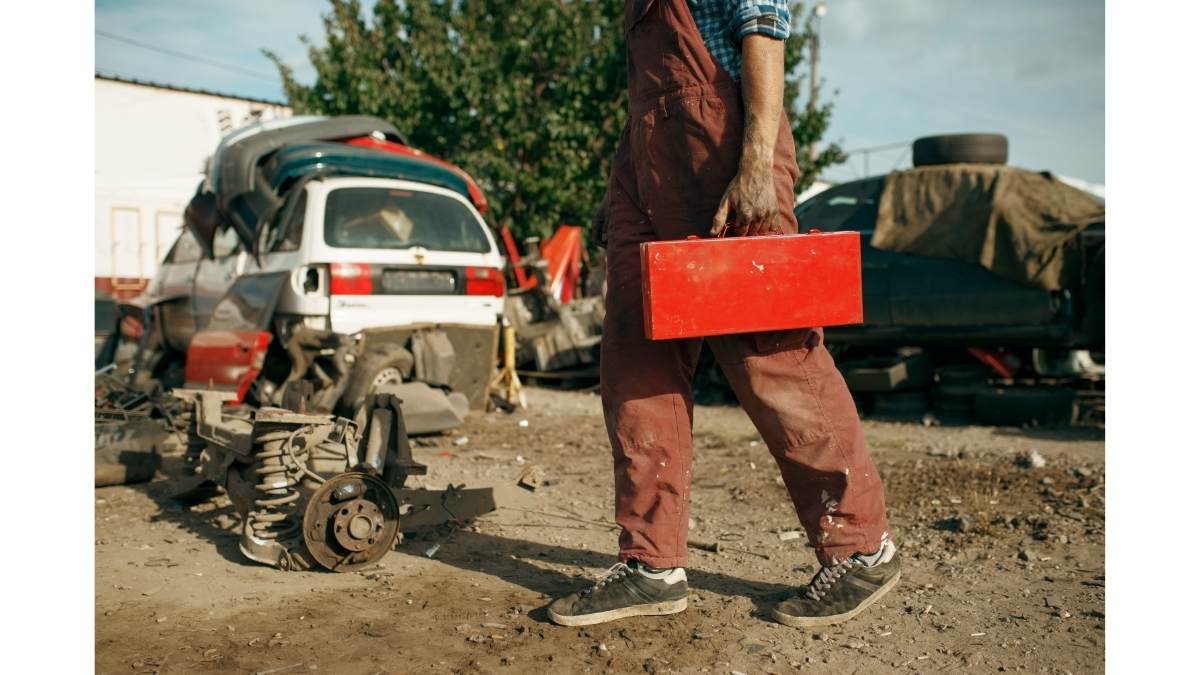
pixel 1019 224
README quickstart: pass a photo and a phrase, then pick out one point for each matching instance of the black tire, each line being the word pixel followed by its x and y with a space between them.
pixel 960 148
pixel 370 367
pixel 1013 406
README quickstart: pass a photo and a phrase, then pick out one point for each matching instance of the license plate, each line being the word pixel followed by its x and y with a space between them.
pixel 425 282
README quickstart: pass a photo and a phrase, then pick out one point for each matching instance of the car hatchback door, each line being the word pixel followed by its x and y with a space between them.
pixel 400 253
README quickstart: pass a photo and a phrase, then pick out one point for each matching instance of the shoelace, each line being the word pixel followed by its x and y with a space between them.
pixel 827 577
pixel 614 573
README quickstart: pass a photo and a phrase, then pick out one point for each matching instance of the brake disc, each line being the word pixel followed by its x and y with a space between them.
pixel 350 522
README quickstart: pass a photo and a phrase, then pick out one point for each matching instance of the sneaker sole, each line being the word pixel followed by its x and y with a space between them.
pixel 816 621
pixel 655 609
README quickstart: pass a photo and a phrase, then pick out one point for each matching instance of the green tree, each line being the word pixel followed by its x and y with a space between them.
pixel 810 119
pixel 528 97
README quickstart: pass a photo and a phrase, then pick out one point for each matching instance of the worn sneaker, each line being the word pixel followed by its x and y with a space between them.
pixel 840 592
pixel 625 590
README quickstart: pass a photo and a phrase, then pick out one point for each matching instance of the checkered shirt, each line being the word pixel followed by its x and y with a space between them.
pixel 723 24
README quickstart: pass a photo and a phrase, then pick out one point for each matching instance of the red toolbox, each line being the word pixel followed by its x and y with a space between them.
pixel 698 287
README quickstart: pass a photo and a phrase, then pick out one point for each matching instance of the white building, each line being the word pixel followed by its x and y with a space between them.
pixel 152 142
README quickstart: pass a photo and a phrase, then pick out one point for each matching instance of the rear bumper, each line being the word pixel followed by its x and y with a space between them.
pixel 355 313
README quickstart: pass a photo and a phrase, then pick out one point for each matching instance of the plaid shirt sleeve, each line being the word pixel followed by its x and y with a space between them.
pixel 767 17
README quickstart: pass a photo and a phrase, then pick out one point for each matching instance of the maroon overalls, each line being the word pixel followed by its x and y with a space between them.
pixel 677 154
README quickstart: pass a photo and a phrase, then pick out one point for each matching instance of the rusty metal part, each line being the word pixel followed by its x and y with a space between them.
pixel 317 490
pixel 351 521
pixel 426 510
pixel 718 547
pixel 281 442
pixel 313 352
pixel 384 446
pixel 356 523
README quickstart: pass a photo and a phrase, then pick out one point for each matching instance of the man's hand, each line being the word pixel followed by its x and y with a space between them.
pixel 750 200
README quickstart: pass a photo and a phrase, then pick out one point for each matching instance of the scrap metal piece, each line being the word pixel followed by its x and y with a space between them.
pixel 433 356
pixel 350 522
pixel 427 510
pixel 128 452
pixel 209 424
pixel 428 410
pixel 552 336
pixel 386 441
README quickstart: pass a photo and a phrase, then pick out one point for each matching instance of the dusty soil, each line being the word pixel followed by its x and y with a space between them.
pixel 1004 565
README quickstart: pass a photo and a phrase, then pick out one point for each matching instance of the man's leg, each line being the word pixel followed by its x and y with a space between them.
pixel 646 390
pixel 787 382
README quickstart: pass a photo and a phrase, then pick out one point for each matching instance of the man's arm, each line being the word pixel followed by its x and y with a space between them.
pixel 750 198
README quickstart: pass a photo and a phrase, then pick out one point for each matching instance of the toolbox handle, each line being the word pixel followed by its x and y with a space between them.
pixel 720 234
pixel 729 226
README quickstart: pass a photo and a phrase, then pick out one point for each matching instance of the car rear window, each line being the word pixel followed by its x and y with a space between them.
pixel 390 218
pixel 850 206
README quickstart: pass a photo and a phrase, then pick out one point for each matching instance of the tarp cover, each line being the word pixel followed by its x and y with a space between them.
pixel 1019 224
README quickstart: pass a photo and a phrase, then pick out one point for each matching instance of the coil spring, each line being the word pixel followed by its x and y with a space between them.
pixel 277 478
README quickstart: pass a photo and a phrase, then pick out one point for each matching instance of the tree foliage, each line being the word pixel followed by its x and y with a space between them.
pixel 528 97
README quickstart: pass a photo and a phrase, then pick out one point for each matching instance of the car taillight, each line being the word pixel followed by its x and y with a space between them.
pixel 350 279
pixel 485 281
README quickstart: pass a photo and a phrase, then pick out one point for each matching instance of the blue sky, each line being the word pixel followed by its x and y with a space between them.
pixel 1031 69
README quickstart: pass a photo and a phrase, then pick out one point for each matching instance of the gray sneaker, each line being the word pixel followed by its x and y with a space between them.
pixel 841 592
pixel 624 591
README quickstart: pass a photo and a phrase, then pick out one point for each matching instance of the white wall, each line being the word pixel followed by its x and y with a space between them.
pixel 151 145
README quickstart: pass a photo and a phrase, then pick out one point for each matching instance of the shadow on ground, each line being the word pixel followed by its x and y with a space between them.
pixel 510 560
pixel 507 559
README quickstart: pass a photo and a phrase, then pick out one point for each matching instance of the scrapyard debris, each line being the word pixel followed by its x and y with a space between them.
pixel 718 547
pixel 316 489
pixel 557 333
pixel 426 409
pixel 134 426
pixel 119 400
pixel 506 390
pixel 1031 460
pixel 128 452
pixel 532 478
pixel 960 524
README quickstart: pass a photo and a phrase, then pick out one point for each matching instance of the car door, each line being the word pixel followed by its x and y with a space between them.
pixel 214 276
pixel 281 248
pixel 178 269
pixel 173 290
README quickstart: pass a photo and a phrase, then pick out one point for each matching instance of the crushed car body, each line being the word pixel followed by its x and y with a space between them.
pixel 324 258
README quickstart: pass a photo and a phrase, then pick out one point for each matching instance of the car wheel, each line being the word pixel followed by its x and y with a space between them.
pixel 960 148
pixel 378 366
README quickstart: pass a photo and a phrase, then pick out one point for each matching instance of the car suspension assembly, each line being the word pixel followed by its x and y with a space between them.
pixel 314 489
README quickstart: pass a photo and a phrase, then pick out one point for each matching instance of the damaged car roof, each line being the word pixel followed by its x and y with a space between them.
pixel 240 152
pixel 235 177
pixel 338 159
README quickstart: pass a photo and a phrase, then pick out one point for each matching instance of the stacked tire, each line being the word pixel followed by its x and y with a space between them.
pixel 960 149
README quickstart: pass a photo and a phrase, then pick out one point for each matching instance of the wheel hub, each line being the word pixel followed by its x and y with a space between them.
pixel 351 521
pixel 356 524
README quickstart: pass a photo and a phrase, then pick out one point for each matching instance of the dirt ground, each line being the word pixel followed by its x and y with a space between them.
pixel 1003 564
